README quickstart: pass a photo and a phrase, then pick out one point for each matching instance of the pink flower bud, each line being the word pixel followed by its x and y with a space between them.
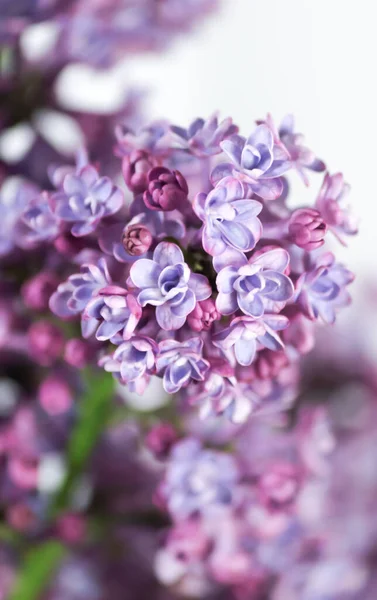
pixel 55 396
pixel 37 291
pixel 137 240
pixel 268 364
pixel 160 439
pixel 135 169
pixel 278 485
pixel 307 229
pixel 23 472
pixel 167 190
pixel 71 528
pixel 203 315
pixel 46 342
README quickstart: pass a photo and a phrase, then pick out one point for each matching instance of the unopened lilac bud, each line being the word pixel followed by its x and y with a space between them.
pixel 135 169
pixel 137 240
pixel 46 342
pixel 55 396
pixel 167 190
pixel 37 291
pixel 78 353
pixel 160 439
pixel 307 228
pixel 203 315
pixel 71 528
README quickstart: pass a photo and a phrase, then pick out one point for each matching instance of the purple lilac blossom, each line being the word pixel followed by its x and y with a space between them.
pixel 321 290
pixel 132 360
pixel 331 205
pixel 257 160
pixel 230 218
pixel 37 224
pixel 197 479
pixel 114 311
pixel 167 283
pixel 203 137
pixel 180 362
pixel 257 286
pixel 85 199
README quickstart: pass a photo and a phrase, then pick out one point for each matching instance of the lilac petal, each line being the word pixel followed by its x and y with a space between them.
pixel 84 228
pixel 226 304
pixel 130 370
pixel 180 373
pixel 93 309
pixel 169 386
pixel 58 304
pixel 229 256
pixel 168 320
pixel 186 306
pixel 226 279
pixel 276 322
pixel 247 209
pixel 151 296
pixel 107 330
pixel 261 136
pixel 199 284
pixel 88 327
pixel 220 172
pixel 245 351
pixel 102 188
pixel 237 235
pixel 271 340
pixel 144 273
pixel 268 189
pixel 233 148
pixel 251 305
pixel 89 175
pixel 276 260
pixel 283 288
pixel 167 254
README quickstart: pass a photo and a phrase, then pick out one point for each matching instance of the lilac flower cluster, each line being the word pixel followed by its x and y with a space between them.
pixel 209 290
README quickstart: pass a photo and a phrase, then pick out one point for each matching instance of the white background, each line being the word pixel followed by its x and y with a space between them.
pixel 316 59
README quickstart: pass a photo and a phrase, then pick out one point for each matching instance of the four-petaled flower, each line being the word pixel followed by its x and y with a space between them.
pixel 180 362
pixel 321 290
pixel 85 199
pixel 257 159
pixel 203 137
pixel 132 360
pixel 115 312
pixel 230 218
pixel 167 283
pixel 331 204
pixel 258 285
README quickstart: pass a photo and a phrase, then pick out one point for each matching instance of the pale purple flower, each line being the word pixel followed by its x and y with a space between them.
pixel 257 286
pixel 180 362
pixel 331 204
pixel 152 139
pixel 203 137
pixel 113 313
pixel 230 218
pixel 257 160
pixel 132 360
pixel 73 295
pixel 244 334
pixel 307 229
pixel 37 224
pixel 197 479
pixel 14 197
pixel 321 290
pixel 85 199
pixel 167 283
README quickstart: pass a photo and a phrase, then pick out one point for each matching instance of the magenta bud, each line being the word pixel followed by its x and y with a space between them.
pixel 167 190
pixel 268 364
pixel 37 291
pixel 279 485
pixel 78 353
pixel 55 395
pixel 46 342
pixel 307 228
pixel 160 439
pixel 71 528
pixel 135 169
pixel 137 240
pixel 203 315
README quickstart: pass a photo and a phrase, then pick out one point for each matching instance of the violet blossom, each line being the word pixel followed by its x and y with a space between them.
pixel 180 362
pixel 113 314
pixel 331 205
pixel 167 283
pixel 85 198
pixel 202 138
pixel 131 360
pixel 256 286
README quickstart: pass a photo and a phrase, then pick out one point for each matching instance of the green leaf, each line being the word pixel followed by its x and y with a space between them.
pixel 94 409
pixel 37 569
